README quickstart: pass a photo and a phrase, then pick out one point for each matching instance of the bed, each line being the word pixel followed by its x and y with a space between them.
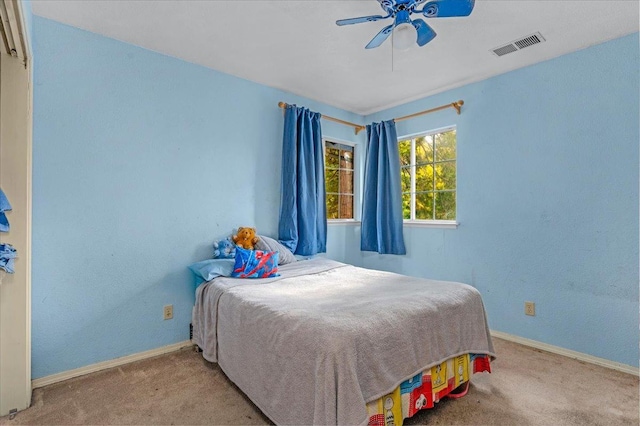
pixel 330 343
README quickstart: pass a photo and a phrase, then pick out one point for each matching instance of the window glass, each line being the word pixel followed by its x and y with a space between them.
pixel 339 180
pixel 428 176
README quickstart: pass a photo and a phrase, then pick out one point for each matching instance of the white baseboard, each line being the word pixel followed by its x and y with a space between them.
pixel 568 353
pixel 65 375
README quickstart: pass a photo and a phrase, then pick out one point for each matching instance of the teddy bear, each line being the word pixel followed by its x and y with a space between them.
pixel 224 249
pixel 246 238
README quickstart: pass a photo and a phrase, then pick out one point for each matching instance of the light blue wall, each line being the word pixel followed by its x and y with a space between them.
pixel 547 200
pixel 140 161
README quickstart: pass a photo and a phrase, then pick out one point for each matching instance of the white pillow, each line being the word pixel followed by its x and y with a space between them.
pixel 269 244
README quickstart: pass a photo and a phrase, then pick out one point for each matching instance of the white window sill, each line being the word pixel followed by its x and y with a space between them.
pixel 446 224
pixel 443 224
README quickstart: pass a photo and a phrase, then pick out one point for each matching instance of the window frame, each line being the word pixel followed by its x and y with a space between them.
pixel 356 179
pixel 429 223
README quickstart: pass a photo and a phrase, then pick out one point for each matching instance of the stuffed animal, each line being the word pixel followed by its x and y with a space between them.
pixel 224 249
pixel 246 238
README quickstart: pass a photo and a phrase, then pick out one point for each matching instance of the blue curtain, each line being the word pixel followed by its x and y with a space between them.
pixel 382 201
pixel 303 210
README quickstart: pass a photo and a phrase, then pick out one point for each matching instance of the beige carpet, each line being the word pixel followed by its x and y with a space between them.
pixel 527 387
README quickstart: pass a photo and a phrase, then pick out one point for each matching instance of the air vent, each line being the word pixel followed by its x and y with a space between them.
pixel 527 41
pixel 505 49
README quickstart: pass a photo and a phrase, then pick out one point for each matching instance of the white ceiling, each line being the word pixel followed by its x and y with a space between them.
pixel 297 47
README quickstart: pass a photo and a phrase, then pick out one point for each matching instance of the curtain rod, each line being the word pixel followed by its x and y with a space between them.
pixel 457 105
pixel 358 127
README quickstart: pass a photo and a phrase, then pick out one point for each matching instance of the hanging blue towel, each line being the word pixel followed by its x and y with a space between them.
pixel 4 206
pixel 7 255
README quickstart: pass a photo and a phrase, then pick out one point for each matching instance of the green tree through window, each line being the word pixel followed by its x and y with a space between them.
pixel 339 183
pixel 428 176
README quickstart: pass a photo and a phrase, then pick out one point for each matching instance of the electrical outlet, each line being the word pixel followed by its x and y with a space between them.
pixel 530 308
pixel 168 311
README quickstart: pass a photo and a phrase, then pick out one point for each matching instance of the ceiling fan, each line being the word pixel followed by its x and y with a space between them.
pixel 405 30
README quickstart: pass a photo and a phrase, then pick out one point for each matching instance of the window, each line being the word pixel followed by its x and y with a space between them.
pixel 428 174
pixel 339 180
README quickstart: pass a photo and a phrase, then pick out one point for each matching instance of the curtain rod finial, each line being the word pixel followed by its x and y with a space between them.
pixel 458 105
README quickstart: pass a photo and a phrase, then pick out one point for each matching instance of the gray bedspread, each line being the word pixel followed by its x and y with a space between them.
pixel 316 344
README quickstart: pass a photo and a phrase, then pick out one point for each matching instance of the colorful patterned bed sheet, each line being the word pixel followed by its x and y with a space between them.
pixel 425 389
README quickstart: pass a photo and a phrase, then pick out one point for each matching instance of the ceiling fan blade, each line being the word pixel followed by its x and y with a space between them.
pixel 360 20
pixel 387 5
pixel 425 32
pixel 380 37
pixel 448 8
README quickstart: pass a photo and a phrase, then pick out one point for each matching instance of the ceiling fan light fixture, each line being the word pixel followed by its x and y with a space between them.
pixel 404 36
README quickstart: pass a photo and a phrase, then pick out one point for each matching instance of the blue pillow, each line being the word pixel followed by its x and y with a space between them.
pixel 224 249
pixel 211 268
pixel 255 264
